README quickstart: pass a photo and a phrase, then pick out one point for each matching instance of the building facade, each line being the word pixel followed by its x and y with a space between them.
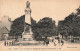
pixel 5 26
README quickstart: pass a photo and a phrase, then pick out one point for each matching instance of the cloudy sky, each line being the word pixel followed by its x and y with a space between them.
pixel 55 9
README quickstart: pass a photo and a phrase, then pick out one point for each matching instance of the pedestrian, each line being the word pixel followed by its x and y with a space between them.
pixel 52 40
pixel 47 42
pixel 54 43
pixel 12 42
pixel 62 42
pixel 5 43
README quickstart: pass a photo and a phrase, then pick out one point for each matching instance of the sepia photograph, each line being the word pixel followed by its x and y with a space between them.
pixel 40 25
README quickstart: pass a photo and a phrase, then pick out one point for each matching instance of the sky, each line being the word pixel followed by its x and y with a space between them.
pixel 55 9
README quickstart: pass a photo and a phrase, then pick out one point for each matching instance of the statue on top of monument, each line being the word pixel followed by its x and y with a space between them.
pixel 27 4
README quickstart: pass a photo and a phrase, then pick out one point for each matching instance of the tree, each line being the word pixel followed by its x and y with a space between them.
pixel 17 26
pixel 70 25
pixel 45 28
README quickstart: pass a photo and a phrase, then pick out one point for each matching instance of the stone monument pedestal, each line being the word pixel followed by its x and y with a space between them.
pixel 27 36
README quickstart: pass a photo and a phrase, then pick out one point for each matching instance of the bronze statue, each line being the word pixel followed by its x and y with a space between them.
pixel 27 4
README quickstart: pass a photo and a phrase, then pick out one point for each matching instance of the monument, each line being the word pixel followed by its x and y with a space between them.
pixel 27 35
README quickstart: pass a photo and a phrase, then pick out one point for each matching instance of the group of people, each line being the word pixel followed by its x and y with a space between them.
pixel 8 43
pixel 58 42
pixel 54 41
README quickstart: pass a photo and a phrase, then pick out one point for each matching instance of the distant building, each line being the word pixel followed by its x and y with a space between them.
pixel 6 22
pixel 5 26
pixel 5 33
